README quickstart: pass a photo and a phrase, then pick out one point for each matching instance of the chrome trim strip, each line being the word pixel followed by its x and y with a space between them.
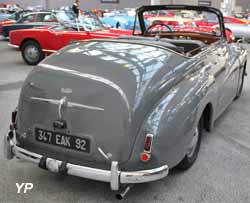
pixel 13 45
pixel 62 103
pixel 49 50
pixel 92 77
pixel 69 104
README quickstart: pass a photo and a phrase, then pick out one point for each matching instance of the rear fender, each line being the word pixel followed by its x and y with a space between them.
pixel 172 121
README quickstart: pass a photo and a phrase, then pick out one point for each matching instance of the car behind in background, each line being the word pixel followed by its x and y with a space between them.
pixel 38 19
pixel 36 43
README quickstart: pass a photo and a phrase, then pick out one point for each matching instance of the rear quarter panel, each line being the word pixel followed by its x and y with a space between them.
pixel 173 119
pixel 42 37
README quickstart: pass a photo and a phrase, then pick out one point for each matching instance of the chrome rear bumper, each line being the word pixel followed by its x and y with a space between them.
pixel 114 176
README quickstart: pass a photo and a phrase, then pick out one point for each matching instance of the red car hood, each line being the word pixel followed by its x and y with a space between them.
pixel 195 29
pixel 7 22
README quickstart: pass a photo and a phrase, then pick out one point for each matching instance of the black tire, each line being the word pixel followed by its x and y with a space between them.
pixel 37 56
pixel 241 84
pixel 189 159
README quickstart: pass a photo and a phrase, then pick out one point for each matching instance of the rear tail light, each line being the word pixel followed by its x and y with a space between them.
pixel 148 143
pixel 146 154
pixel 13 117
pixel 13 124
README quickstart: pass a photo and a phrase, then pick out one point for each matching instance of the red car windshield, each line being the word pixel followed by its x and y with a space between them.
pixel 89 23
pixel 84 23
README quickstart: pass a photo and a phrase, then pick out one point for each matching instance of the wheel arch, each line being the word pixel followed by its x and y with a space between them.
pixel 29 39
pixel 207 115
pixel 172 122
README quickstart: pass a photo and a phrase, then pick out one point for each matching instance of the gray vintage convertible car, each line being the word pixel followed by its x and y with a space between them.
pixel 127 110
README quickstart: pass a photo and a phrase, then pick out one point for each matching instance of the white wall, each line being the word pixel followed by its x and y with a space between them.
pixel 156 2
pixel 215 3
pixel 88 4
pixel 85 4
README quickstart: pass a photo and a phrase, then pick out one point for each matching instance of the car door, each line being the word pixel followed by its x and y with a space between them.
pixel 225 76
pixel 70 36
pixel 62 38
pixel 234 66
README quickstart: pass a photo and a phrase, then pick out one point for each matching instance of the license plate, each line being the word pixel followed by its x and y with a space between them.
pixel 62 140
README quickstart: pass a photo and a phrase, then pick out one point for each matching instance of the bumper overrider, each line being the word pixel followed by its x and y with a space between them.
pixel 114 176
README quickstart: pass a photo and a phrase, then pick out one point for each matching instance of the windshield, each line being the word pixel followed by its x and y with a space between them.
pixel 13 16
pixel 89 23
pixel 85 23
pixel 177 20
pixel 65 16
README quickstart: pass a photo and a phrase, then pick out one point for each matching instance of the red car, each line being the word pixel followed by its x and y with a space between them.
pixel 6 5
pixel 212 22
pixel 13 18
pixel 233 20
pixel 175 26
pixel 36 43
pixel 6 22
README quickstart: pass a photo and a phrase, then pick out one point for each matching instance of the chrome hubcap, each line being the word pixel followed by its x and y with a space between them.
pixel 32 53
pixel 193 144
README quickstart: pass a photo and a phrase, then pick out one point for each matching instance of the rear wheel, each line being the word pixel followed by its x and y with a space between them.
pixel 31 52
pixel 193 148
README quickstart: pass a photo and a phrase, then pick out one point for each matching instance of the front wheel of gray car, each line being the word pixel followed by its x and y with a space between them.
pixel 193 148
pixel 31 52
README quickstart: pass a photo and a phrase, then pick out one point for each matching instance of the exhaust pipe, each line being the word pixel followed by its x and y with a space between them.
pixel 122 194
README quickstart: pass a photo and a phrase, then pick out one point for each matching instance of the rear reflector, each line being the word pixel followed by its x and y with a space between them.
pixel 146 154
pixel 145 157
